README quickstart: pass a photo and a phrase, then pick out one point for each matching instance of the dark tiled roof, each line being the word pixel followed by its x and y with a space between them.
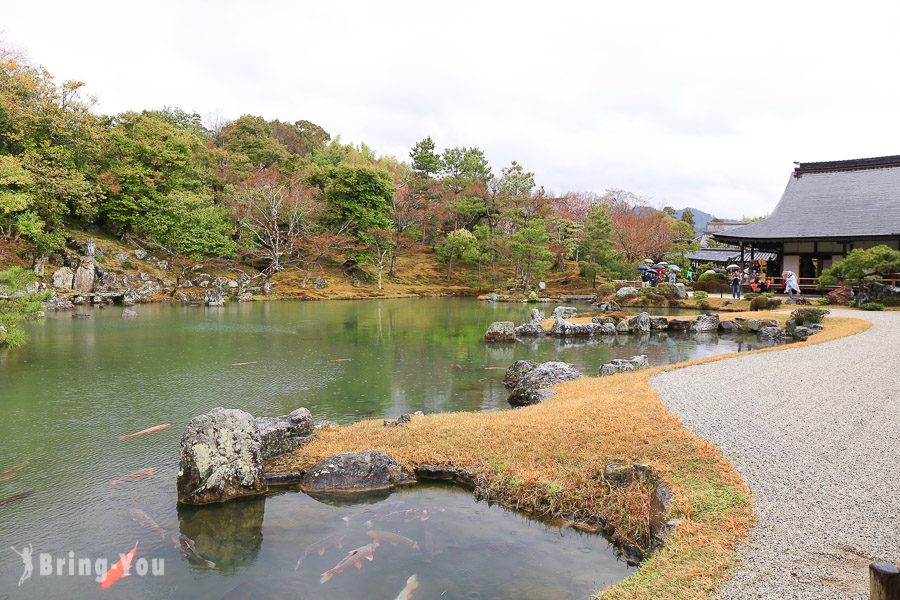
pixel 833 200
pixel 718 226
pixel 727 255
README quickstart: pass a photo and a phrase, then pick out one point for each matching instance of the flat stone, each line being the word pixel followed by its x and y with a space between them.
pixel 355 472
pixel 280 435
pixel 501 331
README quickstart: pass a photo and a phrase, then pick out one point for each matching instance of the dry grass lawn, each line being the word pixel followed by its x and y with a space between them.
pixel 548 459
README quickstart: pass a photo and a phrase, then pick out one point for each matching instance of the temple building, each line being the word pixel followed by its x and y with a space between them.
pixel 827 210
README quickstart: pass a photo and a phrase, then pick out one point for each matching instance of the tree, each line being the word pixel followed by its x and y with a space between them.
pixel 275 221
pixel 865 267
pixel 528 247
pixel 17 305
pixel 362 197
pixel 426 162
pixel 687 216
pixel 515 188
pixel 599 257
pixel 380 248
pixel 459 245
pixel 252 136
pixel 465 174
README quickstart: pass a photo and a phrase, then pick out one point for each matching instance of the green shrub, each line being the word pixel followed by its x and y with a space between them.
pixel 713 277
pixel 763 303
pixel 769 294
pixel 809 315
pixel 872 306
pixel 713 286
pixel 704 304
pixel 606 289
pixel 667 290
pixel 700 295
pixel 751 295
pixel 532 297
pixel 822 302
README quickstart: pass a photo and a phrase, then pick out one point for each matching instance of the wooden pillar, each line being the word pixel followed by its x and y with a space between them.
pixel 741 274
pixel 884 581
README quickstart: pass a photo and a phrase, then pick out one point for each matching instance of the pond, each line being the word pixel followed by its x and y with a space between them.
pixel 80 384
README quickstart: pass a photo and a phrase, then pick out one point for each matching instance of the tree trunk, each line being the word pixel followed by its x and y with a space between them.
pixel 393 265
pixel 449 268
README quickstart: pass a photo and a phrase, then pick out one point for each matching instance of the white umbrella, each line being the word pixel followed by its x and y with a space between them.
pixel 662 262
pixel 732 267
pixel 648 261
pixel 709 271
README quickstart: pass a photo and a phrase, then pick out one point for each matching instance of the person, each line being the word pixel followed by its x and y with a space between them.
pixel 645 278
pixel 672 278
pixel 735 285
pixel 660 275
pixel 755 285
pixel 654 278
pixel 791 285
pixel 690 275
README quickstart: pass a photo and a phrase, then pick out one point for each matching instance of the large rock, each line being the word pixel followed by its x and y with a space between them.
pixel 842 296
pixel 659 323
pixel 625 292
pixel 608 306
pixel 501 331
pixel 214 296
pixel 707 322
pixel 62 278
pixel 680 291
pixel 730 327
pixel 130 297
pixel 622 326
pixel 564 312
pixel 564 328
pixel 280 435
pixel 772 333
pixel 754 325
pixel 622 365
pixel 517 370
pixel 529 389
pixel 534 328
pixel 221 458
pixel 639 323
pixel 680 325
pixel 59 303
pixel 355 472
pixel 84 276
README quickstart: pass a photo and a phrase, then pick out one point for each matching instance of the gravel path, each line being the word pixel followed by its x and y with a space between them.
pixel 819 448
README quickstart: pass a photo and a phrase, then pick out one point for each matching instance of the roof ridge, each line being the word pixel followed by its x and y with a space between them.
pixel 854 164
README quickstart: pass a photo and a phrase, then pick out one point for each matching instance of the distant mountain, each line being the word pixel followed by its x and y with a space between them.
pixel 700 219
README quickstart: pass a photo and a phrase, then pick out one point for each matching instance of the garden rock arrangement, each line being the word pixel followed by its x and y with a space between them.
pixel 529 387
pixel 517 370
pixel 627 292
pixel 564 312
pixel 501 331
pixel 607 306
pixel 355 472
pixel 534 328
pixel 623 365
pixel 223 452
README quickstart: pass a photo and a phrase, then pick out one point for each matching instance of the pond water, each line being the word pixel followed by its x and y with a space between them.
pixel 79 384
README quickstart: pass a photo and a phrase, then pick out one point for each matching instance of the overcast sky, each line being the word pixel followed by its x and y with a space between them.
pixel 693 104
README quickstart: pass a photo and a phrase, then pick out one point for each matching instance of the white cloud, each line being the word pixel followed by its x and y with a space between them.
pixel 694 103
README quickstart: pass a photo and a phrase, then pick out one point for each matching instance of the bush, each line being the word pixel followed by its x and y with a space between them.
pixel 703 304
pixel 713 286
pixel 713 277
pixel 763 303
pixel 532 297
pixel 700 295
pixel 872 306
pixel 606 289
pixel 667 290
pixel 809 315
pixel 822 302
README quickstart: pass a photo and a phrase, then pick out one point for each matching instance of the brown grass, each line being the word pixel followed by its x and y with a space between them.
pixel 548 459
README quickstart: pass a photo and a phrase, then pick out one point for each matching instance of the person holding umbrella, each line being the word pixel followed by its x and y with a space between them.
pixel 735 281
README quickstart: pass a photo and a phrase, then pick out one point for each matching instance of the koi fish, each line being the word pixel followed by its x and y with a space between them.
pixel 153 429
pixel 189 549
pixel 13 470
pixel 320 546
pixel 355 558
pixel 406 516
pixel 381 509
pixel 134 476
pixel 244 363
pixel 146 520
pixel 391 538
pixel 16 497
pixel 119 570
pixel 412 584
pixel 340 359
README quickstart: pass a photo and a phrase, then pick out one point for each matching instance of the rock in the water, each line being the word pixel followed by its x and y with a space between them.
pixel 622 365
pixel 130 297
pixel 221 458
pixel 564 312
pixel 707 322
pixel 622 326
pixel 280 435
pixel 355 472
pixel 529 390
pixel 680 291
pixel 214 296
pixel 639 323
pixel 62 278
pixel 501 331
pixel 517 370
pixel 59 303
pixel 245 297
pixel 679 325
pixel 563 328
pixel 842 296
pixel 625 292
pixel 730 327
pixel 754 325
pixel 129 313
pixel 659 323
pixel 608 306
pixel 530 330
pixel 537 315
pixel 772 333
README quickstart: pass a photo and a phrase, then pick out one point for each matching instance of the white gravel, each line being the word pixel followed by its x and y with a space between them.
pixel 815 433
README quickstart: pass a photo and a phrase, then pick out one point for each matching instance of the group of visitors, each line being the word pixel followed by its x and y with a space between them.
pixel 652 278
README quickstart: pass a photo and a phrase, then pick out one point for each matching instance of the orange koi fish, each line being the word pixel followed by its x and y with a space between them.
pixel 119 570
pixel 13 470
pixel 412 584
pixel 134 476
pixel 355 558
pixel 392 538
pixel 153 429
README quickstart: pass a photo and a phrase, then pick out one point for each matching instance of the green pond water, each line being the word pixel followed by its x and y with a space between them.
pixel 79 384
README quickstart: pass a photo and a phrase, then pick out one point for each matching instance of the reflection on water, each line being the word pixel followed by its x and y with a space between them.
pixel 79 385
